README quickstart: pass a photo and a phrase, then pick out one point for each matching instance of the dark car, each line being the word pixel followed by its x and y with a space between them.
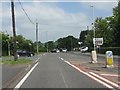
pixel 24 53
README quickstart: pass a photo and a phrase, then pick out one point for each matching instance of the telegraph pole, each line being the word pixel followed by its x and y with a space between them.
pixel 37 36
pixel 14 32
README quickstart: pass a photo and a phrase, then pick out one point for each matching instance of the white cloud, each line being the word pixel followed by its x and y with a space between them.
pixel 56 21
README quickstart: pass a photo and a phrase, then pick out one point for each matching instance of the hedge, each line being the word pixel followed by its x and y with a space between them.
pixel 102 50
pixel 115 50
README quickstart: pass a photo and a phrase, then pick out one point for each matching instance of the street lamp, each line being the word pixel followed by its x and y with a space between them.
pixel 94 55
pixel 93 26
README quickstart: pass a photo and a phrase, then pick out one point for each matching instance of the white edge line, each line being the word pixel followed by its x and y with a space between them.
pixel 103 83
pixel 25 77
pixel 38 59
pixel 114 84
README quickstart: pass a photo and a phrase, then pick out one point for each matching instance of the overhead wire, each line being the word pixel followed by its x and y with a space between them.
pixel 25 12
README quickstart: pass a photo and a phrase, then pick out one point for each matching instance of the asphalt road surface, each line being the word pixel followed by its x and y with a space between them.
pixel 52 72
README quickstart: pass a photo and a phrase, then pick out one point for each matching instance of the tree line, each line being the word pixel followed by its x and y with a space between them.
pixel 68 42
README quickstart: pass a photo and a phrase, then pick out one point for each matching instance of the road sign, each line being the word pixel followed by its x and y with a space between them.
pixel 98 41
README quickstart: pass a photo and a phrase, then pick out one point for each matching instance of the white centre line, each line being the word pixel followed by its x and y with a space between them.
pixel 26 76
pixel 63 79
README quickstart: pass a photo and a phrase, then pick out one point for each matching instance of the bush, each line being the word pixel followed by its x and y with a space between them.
pixel 115 50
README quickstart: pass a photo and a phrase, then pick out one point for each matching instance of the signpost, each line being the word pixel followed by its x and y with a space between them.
pixel 97 42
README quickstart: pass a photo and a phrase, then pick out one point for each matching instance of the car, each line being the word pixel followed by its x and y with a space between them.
pixel 64 50
pixel 24 53
pixel 55 51
pixel 84 49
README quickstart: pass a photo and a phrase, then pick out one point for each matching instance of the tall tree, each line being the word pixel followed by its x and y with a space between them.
pixel 116 13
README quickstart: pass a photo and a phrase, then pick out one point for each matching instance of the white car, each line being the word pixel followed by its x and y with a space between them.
pixel 84 49
pixel 64 50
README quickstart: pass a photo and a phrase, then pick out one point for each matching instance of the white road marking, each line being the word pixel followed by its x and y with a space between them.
pixel 38 59
pixel 96 79
pixel 114 84
pixel 63 79
pixel 26 76
pixel 112 75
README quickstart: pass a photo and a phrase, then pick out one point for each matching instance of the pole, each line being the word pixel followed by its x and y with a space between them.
pixel 14 32
pixel 37 36
pixel 93 26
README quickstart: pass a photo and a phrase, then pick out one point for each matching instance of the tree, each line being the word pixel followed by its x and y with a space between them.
pixel 68 42
pixel 83 36
pixel 116 13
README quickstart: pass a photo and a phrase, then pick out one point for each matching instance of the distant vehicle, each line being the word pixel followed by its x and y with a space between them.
pixel 64 50
pixel 55 51
pixel 84 49
pixel 24 53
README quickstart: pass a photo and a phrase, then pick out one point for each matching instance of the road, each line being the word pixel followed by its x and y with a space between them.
pixel 52 71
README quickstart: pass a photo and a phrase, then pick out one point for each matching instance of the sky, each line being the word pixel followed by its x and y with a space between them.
pixel 56 18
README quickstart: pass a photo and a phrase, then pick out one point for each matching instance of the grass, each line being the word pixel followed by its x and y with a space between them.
pixel 19 61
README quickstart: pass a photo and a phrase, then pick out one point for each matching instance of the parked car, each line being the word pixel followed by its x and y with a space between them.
pixel 84 49
pixel 24 53
pixel 64 50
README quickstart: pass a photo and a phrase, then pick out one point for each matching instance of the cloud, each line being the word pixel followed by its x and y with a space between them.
pixel 51 18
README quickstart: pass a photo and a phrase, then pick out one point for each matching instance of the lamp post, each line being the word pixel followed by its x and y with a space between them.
pixel 94 55
pixel 93 26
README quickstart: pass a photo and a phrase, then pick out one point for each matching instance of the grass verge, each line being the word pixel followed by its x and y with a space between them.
pixel 19 61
